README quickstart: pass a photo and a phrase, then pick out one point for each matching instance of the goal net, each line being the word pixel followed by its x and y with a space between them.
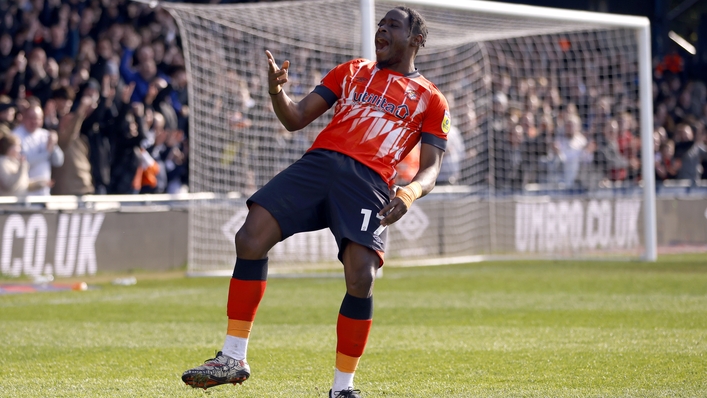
pixel 544 159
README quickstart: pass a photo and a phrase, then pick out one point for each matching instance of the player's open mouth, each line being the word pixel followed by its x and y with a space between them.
pixel 381 45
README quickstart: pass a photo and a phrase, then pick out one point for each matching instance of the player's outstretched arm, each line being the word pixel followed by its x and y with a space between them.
pixel 421 185
pixel 292 115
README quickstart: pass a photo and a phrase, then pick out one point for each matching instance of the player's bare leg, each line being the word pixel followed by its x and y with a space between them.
pixel 258 235
pixel 360 267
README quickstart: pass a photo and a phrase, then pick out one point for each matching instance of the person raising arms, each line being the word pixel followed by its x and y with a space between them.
pixel 344 182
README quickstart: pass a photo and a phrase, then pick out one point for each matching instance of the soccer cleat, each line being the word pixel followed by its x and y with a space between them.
pixel 350 393
pixel 216 371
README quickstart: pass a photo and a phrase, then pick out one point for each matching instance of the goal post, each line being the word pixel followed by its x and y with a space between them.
pixel 518 189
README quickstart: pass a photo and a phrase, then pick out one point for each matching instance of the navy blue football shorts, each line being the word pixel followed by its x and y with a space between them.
pixel 326 189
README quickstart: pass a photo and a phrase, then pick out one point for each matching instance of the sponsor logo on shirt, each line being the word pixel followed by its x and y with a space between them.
pixel 399 111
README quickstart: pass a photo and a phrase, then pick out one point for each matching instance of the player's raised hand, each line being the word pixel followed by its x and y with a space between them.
pixel 277 76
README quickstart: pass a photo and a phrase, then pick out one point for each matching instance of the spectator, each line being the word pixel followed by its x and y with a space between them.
pixel 509 174
pixel 96 129
pixel 157 100
pixel 699 98
pixel 24 38
pixel 499 146
pixel 51 117
pixel 665 166
pixel 180 98
pixel 14 169
pixel 145 70
pixel 63 41
pixel 154 143
pixel 533 147
pixel 7 115
pixel 175 158
pixel 7 58
pixel 689 152
pixel 659 136
pixel 546 134
pixel 629 145
pixel 472 136
pixel 39 146
pixel 74 176
pixel 608 156
pixel 87 23
pixel 87 56
pixel 450 171
pixel 28 76
pixel 571 151
pixel 683 109
pixel 65 75
pixel 105 59
pixel 129 132
pixel 147 174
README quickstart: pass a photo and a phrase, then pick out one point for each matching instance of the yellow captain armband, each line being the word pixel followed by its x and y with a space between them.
pixel 409 193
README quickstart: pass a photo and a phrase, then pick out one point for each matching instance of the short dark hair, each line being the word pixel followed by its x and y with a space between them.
pixel 418 26
pixel 63 93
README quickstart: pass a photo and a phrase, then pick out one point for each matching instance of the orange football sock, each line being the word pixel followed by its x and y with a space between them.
pixel 352 329
pixel 245 292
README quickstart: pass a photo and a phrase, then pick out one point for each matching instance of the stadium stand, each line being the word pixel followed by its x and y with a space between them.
pixel 110 78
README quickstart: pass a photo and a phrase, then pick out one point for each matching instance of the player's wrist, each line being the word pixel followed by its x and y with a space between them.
pixel 409 193
pixel 277 93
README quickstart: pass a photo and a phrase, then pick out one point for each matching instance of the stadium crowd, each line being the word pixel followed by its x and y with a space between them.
pixel 93 99
pixel 96 93
pixel 577 125
pixel 564 114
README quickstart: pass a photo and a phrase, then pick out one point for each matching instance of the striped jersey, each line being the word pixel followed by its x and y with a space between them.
pixel 380 115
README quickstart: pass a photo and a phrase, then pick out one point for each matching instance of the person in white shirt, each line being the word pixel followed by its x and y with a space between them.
pixel 39 147
pixel 14 178
pixel 572 150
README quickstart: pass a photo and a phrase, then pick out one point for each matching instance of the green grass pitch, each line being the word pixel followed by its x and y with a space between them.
pixel 498 329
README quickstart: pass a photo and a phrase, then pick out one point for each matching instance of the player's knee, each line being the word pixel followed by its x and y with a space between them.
pixel 360 284
pixel 245 238
pixel 249 245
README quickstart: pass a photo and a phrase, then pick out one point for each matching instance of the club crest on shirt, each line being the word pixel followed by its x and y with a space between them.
pixel 411 94
pixel 446 122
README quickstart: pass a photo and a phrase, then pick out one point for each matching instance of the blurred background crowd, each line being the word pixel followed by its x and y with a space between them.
pixel 559 122
pixel 93 99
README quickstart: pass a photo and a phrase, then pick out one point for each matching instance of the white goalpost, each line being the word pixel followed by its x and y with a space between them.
pixel 551 153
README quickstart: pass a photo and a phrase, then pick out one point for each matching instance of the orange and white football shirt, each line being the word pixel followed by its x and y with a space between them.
pixel 380 115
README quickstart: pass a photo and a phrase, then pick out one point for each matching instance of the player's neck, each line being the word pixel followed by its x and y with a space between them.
pixel 404 68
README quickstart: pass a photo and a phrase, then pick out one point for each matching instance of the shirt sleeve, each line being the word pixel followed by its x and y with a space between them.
pixel 334 79
pixel 437 122
pixel 327 94
pixel 340 76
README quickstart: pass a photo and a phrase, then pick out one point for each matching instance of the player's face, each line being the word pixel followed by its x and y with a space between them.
pixel 393 38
